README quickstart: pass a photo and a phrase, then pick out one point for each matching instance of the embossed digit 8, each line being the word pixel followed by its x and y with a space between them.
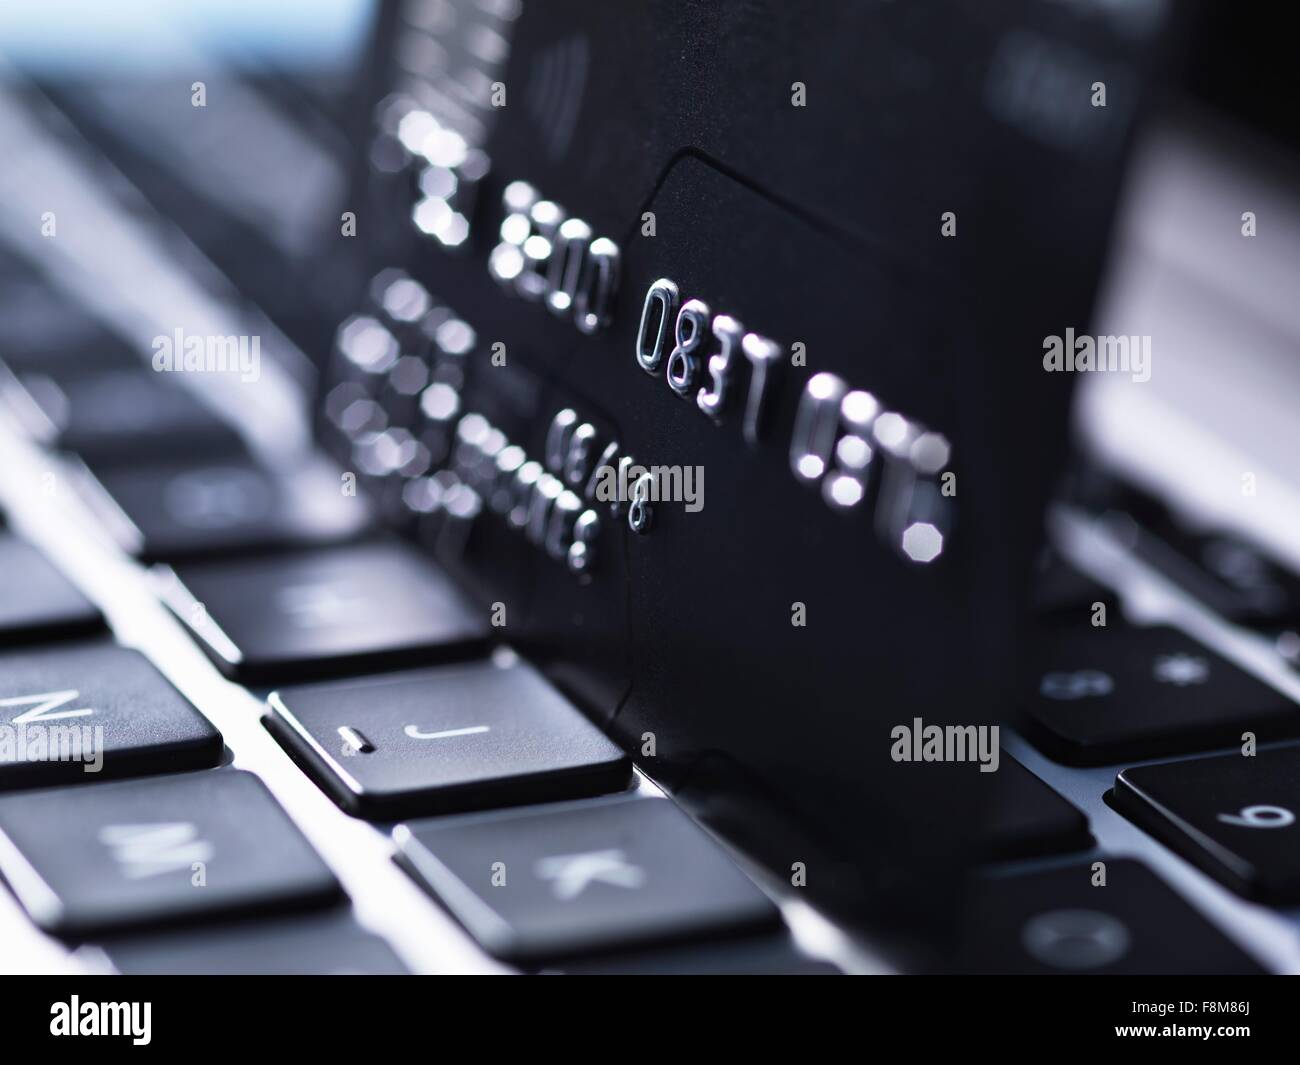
pixel 639 512
pixel 684 360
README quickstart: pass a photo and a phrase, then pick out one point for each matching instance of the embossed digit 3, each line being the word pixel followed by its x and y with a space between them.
pixel 728 333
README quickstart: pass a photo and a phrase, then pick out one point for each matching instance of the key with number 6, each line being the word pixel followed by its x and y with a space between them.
pixel 1236 817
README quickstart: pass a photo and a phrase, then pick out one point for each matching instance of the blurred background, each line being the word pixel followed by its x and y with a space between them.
pixel 122 218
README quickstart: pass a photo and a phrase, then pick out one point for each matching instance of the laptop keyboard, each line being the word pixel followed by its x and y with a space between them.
pixel 602 875
pixel 387 690
pixel 1027 819
pixel 106 857
pixel 39 602
pixel 328 943
pixel 1233 817
pixel 347 609
pixel 1056 921
pixel 104 710
pixel 120 417
pixel 154 853
pixel 1080 699
pixel 489 733
pixel 184 510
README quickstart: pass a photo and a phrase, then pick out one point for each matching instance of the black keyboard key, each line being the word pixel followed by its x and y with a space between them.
pixel 107 857
pixel 122 416
pixel 325 944
pixel 38 602
pixel 175 511
pixel 327 611
pixel 1027 818
pixel 1103 695
pixel 1227 574
pixel 1233 816
pixel 455 738
pixel 545 883
pixel 1056 922
pixel 762 955
pixel 45 331
pixel 91 712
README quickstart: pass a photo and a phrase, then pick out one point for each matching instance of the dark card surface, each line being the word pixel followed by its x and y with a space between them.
pixel 841 238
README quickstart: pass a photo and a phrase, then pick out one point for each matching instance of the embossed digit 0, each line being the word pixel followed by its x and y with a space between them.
pixel 657 316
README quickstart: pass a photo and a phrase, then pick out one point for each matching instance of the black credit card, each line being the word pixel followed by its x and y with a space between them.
pixel 754 439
